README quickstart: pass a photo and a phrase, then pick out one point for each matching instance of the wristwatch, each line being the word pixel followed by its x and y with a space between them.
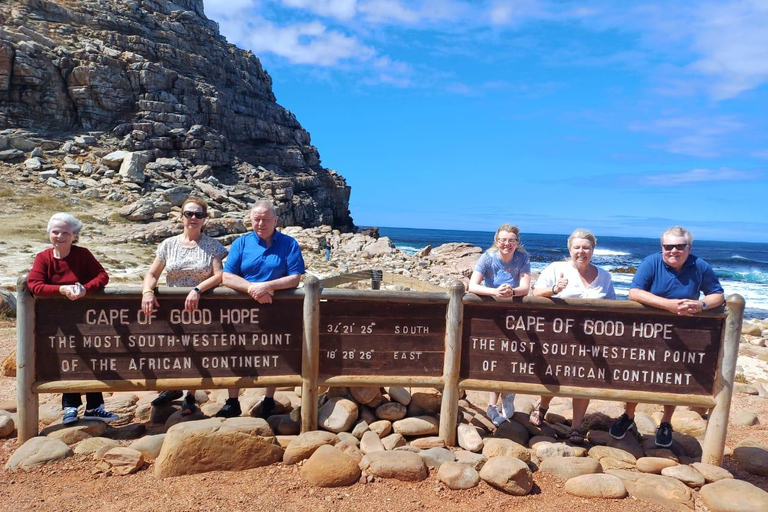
pixel 703 305
pixel 197 290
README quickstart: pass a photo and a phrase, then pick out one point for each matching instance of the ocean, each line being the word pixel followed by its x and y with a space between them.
pixel 742 267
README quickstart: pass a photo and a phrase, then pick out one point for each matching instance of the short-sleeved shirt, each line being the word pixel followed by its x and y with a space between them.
pixel 695 277
pixel 188 266
pixel 496 272
pixel 600 288
pixel 250 258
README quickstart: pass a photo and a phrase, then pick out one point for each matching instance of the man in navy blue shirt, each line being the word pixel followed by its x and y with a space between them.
pixel 673 280
pixel 259 263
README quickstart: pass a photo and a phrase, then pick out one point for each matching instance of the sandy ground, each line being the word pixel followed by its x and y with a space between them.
pixel 76 484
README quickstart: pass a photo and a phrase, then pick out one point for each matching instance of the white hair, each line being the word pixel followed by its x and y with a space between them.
pixel 70 220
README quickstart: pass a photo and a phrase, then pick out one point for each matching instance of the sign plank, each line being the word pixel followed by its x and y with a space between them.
pixel 648 351
pixel 110 338
pixel 379 338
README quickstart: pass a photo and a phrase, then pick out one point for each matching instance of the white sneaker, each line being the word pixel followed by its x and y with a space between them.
pixel 508 405
pixel 494 416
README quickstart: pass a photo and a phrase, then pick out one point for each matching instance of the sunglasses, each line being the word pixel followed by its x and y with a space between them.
pixel 669 247
pixel 198 215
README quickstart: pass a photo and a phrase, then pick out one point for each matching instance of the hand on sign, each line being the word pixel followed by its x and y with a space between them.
pixel 72 291
pixel 190 304
pixel 261 292
pixel 560 285
pixel 504 291
pixel 149 303
pixel 688 307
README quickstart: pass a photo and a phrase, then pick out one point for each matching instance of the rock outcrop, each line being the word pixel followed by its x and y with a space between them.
pixel 157 81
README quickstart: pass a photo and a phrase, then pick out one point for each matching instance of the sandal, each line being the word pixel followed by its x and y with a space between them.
pixel 576 437
pixel 537 416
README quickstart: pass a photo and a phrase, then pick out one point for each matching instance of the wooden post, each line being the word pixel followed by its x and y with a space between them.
pixel 27 401
pixel 449 408
pixel 310 355
pixel 714 441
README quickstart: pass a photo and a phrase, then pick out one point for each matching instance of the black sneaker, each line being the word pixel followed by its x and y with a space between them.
pixel 231 409
pixel 620 426
pixel 100 414
pixel 267 407
pixel 664 435
pixel 165 397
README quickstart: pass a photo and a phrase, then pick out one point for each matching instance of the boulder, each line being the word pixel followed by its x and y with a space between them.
pixel 424 402
pixel 514 431
pixel 393 441
pixel 730 495
pixel 364 395
pixel 458 476
pixel 654 464
pixel 473 460
pixel 7 425
pixel 400 465
pixel 711 473
pixel 416 426
pixel 217 444
pixel 505 448
pixel 566 468
pixel 596 486
pixel 669 493
pixel 92 444
pixel 468 438
pixel 508 474
pixel 685 474
pixel 548 450
pixel 371 442
pixel 753 459
pixel 425 443
pixel 149 446
pixel 399 394
pixel 382 428
pixel 329 467
pixel 124 461
pixel 132 167
pixel 435 457
pixel 337 414
pixel 75 432
pixel 304 446
pixel 37 452
pixel 391 411
pixel 745 418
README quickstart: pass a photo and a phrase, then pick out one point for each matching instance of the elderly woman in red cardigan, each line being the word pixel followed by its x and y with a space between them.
pixel 70 270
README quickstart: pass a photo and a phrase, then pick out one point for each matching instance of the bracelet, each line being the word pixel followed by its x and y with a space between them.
pixel 513 292
pixel 148 291
pixel 553 289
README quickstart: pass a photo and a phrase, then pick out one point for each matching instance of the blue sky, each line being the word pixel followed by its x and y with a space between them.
pixel 621 117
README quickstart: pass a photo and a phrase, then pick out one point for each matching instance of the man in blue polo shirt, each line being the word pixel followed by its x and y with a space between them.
pixel 672 280
pixel 259 263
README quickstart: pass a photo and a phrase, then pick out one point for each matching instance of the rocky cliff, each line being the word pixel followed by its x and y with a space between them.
pixel 156 80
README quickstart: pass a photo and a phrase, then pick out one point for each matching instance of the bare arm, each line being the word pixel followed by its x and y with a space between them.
pixel 683 307
pixel 148 299
pixel 193 297
pixel 262 291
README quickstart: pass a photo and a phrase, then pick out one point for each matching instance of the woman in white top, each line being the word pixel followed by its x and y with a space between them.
pixel 574 278
pixel 502 271
pixel 190 259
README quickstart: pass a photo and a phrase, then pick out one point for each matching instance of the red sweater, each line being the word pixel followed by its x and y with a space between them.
pixel 48 273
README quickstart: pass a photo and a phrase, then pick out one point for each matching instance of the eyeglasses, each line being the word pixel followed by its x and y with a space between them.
pixel 198 215
pixel 679 247
pixel 507 241
pixel 263 221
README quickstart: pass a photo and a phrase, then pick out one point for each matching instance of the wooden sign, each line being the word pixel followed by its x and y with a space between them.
pixel 110 338
pixel 377 338
pixel 633 350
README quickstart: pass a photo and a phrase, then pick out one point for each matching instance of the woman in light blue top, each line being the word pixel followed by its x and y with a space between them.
pixel 503 271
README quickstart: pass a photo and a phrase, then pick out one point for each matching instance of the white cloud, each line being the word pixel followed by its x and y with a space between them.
pixel 700 137
pixel 732 41
pixel 308 43
pixel 340 9
pixel 698 176
pixel 415 14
